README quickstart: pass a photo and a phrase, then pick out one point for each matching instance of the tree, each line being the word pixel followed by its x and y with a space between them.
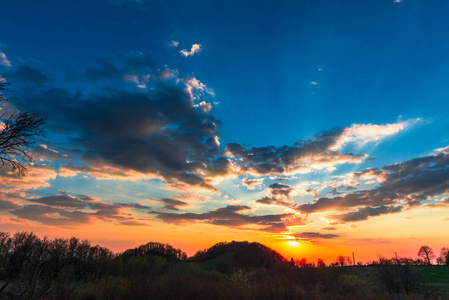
pixel 18 132
pixel 321 263
pixel 444 257
pixel 341 260
pixel 426 253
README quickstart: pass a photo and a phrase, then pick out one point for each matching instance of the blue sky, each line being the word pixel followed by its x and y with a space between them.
pixel 357 85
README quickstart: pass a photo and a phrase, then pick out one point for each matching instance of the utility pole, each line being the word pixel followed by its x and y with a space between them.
pixel 353 259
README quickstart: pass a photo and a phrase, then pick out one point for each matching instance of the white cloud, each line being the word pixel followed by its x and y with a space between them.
pixel 397 1
pixel 364 133
pixel 313 83
pixel 195 87
pixel 195 49
pixel 174 44
pixel 4 61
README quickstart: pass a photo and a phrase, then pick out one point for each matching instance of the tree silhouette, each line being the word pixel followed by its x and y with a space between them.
pixel 18 131
pixel 341 260
pixel 426 253
pixel 444 257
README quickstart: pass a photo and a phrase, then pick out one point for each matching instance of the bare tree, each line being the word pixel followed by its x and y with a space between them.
pixel 18 131
pixel 426 253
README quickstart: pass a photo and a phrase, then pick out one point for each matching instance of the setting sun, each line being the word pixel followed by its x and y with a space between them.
pixel 293 244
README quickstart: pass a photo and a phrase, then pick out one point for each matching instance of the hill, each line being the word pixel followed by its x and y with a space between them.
pixel 225 257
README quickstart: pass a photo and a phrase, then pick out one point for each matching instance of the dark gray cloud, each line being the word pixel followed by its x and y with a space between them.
pixel 55 216
pixel 279 194
pixel 275 201
pixel 62 201
pixel 279 160
pixel 409 182
pixel 230 215
pixel 27 75
pixel 171 204
pixel 105 69
pixel 8 205
pixel 158 132
pixel 366 212
pixel 67 210
pixel 280 189
pixel 315 235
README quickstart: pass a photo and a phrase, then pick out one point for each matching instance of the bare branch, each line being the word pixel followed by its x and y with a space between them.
pixel 18 132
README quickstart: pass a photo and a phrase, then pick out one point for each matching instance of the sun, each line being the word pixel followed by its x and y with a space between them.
pixel 293 244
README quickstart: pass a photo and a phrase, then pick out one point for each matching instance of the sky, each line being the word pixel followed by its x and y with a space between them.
pixel 318 128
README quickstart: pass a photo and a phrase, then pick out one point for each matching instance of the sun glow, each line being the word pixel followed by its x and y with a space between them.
pixel 293 244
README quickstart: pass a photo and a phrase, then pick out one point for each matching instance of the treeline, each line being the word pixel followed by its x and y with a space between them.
pixel 42 268
pixel 165 250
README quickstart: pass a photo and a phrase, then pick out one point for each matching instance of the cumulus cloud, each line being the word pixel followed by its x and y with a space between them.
pixel 4 60
pixel 196 48
pixel 159 132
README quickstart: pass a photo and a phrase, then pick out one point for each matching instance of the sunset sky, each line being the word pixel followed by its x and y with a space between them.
pixel 195 122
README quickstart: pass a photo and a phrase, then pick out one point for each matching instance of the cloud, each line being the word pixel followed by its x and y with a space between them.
pixel 314 235
pixel 313 83
pixel 408 182
pixel 4 60
pixel 67 210
pixel 159 132
pixel 37 177
pixel 174 43
pixel 28 75
pixel 42 152
pixel 6 204
pixel 252 184
pixel 303 157
pixel 279 194
pixel 366 212
pixel 231 215
pixel 280 189
pixel 196 48
pixel 313 192
pixel 171 204
pixel 365 133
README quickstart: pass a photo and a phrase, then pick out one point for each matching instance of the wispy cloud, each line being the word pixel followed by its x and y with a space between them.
pixel 174 44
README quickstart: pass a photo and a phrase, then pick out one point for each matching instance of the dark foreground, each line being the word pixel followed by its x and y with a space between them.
pixel 33 268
